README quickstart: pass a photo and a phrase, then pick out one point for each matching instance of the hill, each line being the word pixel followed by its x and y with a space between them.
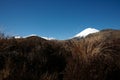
pixel 94 57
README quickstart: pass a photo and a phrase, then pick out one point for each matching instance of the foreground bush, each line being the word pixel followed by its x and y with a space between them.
pixel 96 57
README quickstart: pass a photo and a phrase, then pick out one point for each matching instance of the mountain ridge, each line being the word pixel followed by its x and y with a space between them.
pixel 83 33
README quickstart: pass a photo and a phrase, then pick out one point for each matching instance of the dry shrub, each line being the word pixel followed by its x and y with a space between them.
pixel 95 57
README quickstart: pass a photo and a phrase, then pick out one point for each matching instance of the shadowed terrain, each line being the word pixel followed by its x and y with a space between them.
pixel 95 57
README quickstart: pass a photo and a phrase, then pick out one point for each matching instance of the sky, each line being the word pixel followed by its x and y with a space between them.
pixel 60 19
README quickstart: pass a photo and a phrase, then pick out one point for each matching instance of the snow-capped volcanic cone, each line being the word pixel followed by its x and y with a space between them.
pixel 86 32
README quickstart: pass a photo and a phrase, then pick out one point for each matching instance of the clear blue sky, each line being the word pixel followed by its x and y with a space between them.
pixel 60 19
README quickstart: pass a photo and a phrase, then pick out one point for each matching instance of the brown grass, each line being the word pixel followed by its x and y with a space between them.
pixel 95 57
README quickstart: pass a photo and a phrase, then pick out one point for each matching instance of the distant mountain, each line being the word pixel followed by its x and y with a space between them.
pixel 17 36
pixel 47 38
pixel 86 32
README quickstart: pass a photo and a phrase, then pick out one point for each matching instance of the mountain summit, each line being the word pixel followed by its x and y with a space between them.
pixel 86 32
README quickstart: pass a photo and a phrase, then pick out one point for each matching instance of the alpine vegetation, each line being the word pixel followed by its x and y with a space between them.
pixel 94 57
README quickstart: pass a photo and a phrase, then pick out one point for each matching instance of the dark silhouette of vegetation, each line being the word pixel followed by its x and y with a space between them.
pixel 95 57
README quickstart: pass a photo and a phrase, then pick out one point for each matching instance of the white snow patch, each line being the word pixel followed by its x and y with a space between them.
pixel 86 32
pixel 49 38
pixel 17 37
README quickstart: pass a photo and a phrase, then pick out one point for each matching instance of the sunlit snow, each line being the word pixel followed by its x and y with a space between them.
pixel 86 32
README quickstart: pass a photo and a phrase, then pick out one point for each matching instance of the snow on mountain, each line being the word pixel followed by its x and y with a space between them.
pixel 86 32
pixel 17 37
pixel 47 38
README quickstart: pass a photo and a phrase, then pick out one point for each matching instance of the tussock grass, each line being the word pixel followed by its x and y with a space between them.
pixel 95 57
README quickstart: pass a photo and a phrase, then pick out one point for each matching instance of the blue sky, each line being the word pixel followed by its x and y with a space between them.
pixel 60 19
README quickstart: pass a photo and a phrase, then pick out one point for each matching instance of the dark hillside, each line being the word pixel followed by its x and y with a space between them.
pixel 95 57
